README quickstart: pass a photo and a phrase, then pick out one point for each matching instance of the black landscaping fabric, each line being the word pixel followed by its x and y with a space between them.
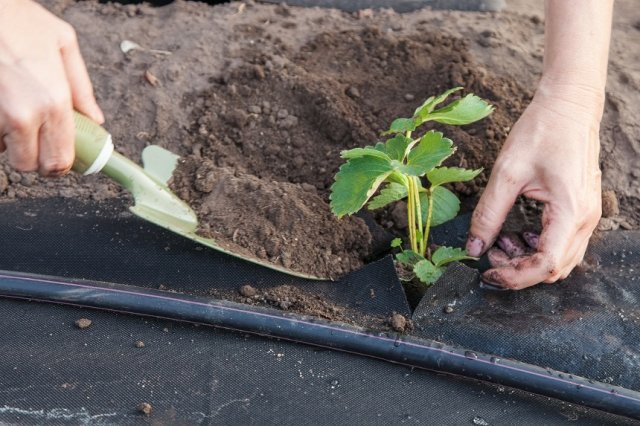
pixel 588 324
pixel 105 242
pixel 54 373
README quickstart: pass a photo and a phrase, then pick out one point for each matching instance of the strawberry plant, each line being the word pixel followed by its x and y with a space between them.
pixel 402 165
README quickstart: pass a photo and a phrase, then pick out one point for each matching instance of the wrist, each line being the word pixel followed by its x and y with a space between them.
pixel 571 95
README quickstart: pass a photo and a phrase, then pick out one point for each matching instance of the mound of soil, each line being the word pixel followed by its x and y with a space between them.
pixel 284 223
pixel 289 122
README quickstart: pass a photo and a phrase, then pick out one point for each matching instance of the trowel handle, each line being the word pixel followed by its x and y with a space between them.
pixel 93 145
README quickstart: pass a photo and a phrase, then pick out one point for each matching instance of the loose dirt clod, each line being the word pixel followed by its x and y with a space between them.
pixel 145 408
pixel 4 181
pixel 83 323
pixel 610 206
pixel 248 291
pixel 398 323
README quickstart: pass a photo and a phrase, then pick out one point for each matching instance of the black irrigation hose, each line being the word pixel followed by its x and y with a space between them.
pixel 406 350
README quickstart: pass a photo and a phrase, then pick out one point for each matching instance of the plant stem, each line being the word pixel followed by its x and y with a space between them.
pixel 427 226
pixel 411 215
pixel 418 212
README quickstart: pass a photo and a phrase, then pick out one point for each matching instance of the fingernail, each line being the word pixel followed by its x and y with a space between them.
pixel 474 246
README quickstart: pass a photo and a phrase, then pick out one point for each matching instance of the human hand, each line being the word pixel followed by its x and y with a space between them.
pixel 551 155
pixel 42 78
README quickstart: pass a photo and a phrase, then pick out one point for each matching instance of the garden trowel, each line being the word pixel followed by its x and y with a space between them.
pixel 154 201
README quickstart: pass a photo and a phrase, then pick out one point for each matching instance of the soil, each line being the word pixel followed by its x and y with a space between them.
pixel 294 299
pixel 287 224
pixel 270 95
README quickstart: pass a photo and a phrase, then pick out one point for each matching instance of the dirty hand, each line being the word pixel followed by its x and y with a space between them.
pixel 42 78
pixel 551 155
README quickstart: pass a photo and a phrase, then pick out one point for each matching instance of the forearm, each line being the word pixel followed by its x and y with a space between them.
pixel 577 34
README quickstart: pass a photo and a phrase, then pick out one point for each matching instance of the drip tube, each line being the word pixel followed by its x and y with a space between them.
pixel 392 347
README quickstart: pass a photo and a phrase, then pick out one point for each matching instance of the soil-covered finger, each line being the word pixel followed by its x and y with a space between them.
pixel 531 238
pixel 511 244
pixel 497 257
pixel 521 272
pixel 490 213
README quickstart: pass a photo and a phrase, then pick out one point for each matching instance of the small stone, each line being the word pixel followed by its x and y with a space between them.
pixel 254 109
pixel 409 97
pixel 308 187
pixel 145 408
pixel 238 118
pixel 398 323
pixel 298 162
pixel 28 179
pixel 139 344
pixel 15 177
pixel 447 309
pixel 288 122
pixel 165 330
pixel 352 92
pixel 258 72
pixel 248 291
pixel 607 224
pixel 83 323
pixel 610 205
pixel 283 113
pixel 626 225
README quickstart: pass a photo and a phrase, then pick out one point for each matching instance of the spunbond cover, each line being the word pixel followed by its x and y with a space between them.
pixel 53 373
pixel 588 324
pixel 103 242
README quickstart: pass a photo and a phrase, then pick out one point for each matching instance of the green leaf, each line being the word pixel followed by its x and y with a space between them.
pixel 430 152
pixel 423 110
pixel 444 255
pixel 396 147
pixel 363 152
pixel 444 175
pixel 463 111
pixel 445 205
pixel 396 242
pixel 427 271
pixel 401 125
pixel 356 181
pixel 409 257
pixel 393 192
